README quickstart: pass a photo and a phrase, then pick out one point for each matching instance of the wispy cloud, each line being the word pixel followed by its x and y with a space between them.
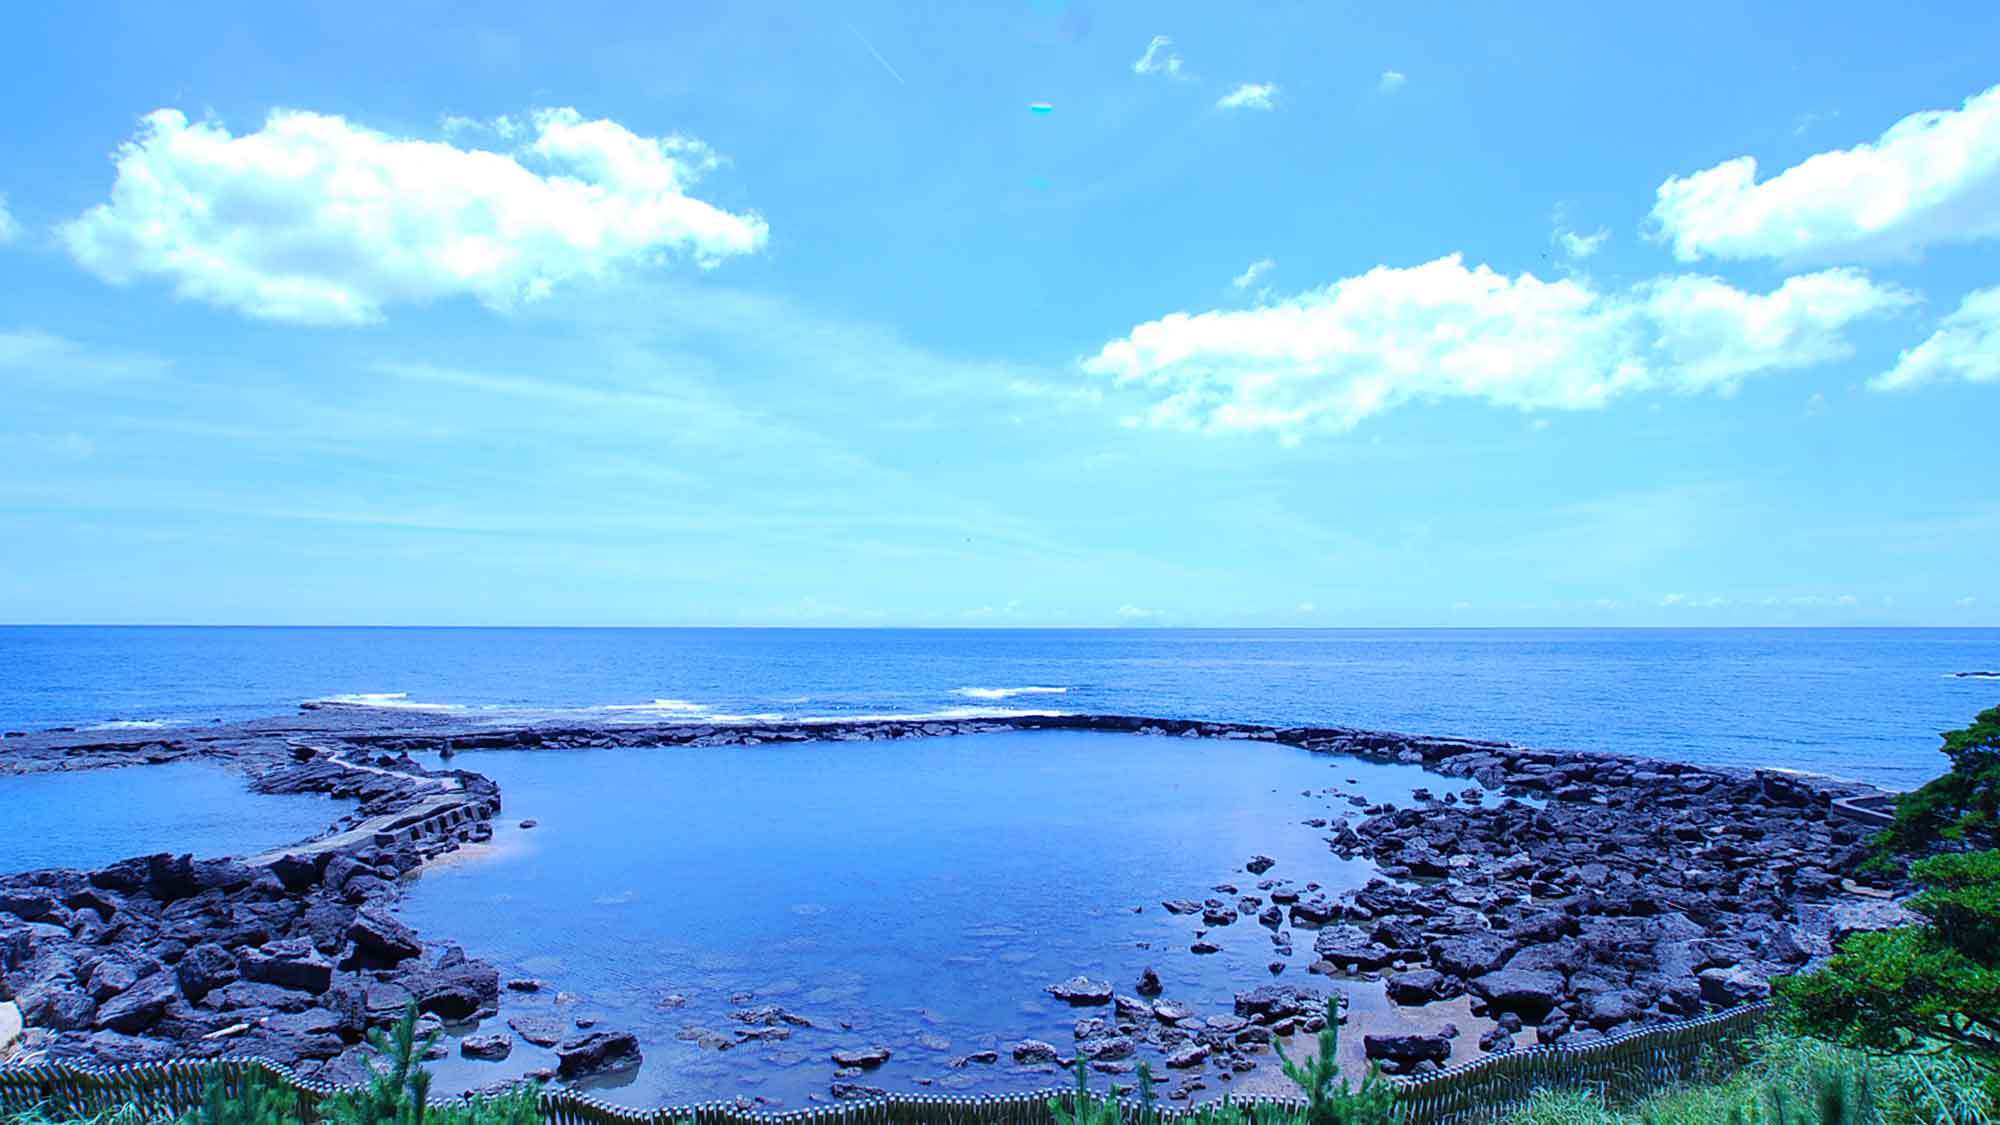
pixel 1253 274
pixel 9 229
pixel 1391 80
pixel 1250 95
pixel 1160 59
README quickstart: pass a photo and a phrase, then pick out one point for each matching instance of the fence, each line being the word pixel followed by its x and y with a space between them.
pixel 1622 1068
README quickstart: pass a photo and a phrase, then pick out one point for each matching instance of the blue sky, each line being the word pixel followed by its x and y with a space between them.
pixel 730 314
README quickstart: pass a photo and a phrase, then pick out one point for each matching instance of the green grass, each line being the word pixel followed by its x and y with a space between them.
pixel 1909 1090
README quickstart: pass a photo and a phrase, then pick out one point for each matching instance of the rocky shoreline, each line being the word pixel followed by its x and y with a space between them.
pixel 1560 896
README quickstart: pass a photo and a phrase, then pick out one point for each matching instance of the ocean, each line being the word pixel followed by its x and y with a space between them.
pixel 1857 703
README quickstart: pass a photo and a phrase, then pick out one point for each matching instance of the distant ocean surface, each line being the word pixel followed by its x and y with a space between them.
pixel 1858 703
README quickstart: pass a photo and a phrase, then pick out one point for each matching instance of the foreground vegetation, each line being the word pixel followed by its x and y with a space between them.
pixel 1792 1078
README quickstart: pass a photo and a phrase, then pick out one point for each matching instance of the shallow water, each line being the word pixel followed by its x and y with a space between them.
pixel 91 818
pixel 919 888
pixel 1861 703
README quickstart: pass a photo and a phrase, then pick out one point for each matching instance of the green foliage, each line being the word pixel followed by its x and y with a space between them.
pixel 1963 806
pixel 1792 1079
pixel 1371 1102
pixel 399 1092
pixel 1083 1108
pixel 1919 989
pixel 258 1101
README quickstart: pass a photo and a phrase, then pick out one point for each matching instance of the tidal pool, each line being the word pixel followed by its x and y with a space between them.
pixel 915 894
pixel 90 818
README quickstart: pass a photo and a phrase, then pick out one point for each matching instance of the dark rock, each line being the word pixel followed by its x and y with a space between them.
pixel 598 1052
pixel 1404 1051
pixel 1081 990
pixel 1419 986
pixel 1034 1051
pixel 1472 955
pixel 140 1006
pixel 1106 1047
pixel 203 969
pixel 867 1058
pixel 1619 1005
pixel 491 1047
pixel 1149 982
pixel 1186 1057
pixel 1276 1001
pixel 292 963
pixel 1530 992
pixel 975 1057
pixel 1259 864
pixel 539 1030
pixel 381 942
pixel 1726 988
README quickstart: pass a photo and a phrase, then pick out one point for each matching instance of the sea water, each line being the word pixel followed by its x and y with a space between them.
pixel 1859 703
pixel 916 894
pixel 90 818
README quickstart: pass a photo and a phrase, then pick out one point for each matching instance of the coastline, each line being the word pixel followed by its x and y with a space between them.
pixel 1573 943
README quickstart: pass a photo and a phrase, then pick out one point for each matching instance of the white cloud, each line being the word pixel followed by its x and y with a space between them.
pixel 1965 603
pixel 1250 95
pixel 1581 246
pixel 1328 358
pixel 1966 346
pixel 1250 276
pixel 9 229
pixel 317 220
pixel 1391 80
pixel 1933 178
pixel 1159 59
pixel 1134 613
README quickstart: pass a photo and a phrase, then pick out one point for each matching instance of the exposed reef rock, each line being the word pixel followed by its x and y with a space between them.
pixel 1578 894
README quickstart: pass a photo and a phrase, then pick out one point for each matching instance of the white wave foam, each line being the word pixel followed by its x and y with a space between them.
pixel 1006 692
pixel 662 706
pixel 945 715
pixel 387 700
pixel 136 724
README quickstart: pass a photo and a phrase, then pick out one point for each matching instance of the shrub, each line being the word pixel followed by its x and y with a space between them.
pixel 1963 806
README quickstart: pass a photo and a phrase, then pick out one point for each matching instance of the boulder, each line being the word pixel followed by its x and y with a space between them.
pixel 293 963
pixel 1349 945
pixel 204 969
pixel 1081 990
pixel 1149 982
pixel 1105 1048
pixel 1259 864
pixel 139 1007
pixel 1472 955
pixel 1402 1052
pixel 1619 1005
pixel 1187 1057
pixel 1275 1002
pixel 491 1048
pixel 597 1052
pixel 866 1058
pixel 1529 992
pixel 1419 986
pixel 456 989
pixel 1726 988
pixel 380 942
pixel 1034 1051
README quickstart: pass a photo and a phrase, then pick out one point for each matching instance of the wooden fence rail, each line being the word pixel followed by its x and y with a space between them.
pixel 1623 1068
